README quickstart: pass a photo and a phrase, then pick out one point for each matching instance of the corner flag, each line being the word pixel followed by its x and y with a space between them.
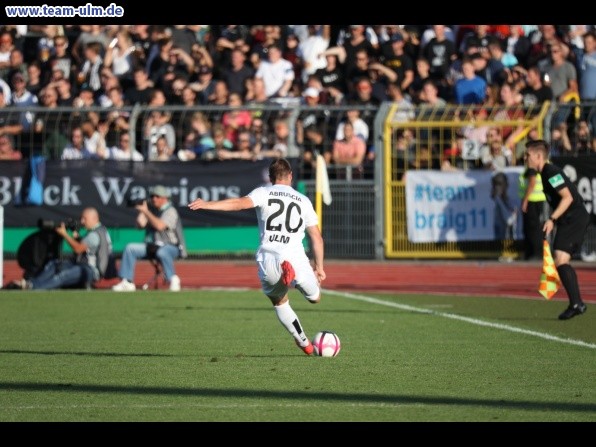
pixel 323 191
pixel 549 279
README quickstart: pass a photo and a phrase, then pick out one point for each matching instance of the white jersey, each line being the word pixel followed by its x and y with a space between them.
pixel 283 215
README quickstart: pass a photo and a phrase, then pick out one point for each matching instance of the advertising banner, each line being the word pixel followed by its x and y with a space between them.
pixel 459 206
pixel 66 187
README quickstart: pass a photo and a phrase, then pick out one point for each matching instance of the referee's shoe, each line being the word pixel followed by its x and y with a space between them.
pixel 572 311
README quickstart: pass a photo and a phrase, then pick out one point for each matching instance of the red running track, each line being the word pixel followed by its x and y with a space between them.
pixel 516 279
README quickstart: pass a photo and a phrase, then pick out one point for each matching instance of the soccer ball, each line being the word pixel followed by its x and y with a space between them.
pixel 326 344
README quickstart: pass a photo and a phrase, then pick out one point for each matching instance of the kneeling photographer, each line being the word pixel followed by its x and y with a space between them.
pixel 91 257
pixel 164 239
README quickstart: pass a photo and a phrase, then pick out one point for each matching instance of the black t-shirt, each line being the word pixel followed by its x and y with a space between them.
pixel 332 78
pixel 236 80
pixel 531 97
pixel 553 180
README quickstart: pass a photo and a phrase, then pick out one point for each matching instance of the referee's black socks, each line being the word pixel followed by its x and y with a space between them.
pixel 569 280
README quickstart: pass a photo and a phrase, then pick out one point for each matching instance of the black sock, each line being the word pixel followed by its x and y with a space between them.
pixel 569 280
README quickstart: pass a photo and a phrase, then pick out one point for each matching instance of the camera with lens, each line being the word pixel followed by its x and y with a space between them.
pixel 131 203
pixel 47 224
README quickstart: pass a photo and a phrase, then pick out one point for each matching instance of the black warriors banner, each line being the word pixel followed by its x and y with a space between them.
pixel 70 186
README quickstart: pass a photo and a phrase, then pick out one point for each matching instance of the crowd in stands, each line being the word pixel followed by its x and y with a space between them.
pixel 239 67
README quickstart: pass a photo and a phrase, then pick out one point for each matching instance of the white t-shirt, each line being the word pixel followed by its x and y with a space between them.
pixel 274 75
pixel 283 215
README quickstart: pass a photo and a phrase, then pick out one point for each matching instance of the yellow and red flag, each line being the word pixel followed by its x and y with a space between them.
pixel 549 279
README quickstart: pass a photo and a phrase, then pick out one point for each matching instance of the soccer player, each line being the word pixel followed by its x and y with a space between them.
pixel 283 215
pixel 568 214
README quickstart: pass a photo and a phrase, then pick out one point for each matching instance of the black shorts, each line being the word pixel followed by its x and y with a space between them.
pixel 570 232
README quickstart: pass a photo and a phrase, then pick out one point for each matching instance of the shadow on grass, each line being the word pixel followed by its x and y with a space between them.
pixel 387 399
pixel 90 354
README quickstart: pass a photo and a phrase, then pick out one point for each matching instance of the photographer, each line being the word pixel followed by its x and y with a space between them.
pixel 164 240
pixel 89 263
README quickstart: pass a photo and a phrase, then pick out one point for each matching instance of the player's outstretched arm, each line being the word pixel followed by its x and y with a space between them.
pixel 235 204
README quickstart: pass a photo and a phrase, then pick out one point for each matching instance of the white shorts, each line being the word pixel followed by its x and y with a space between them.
pixel 269 269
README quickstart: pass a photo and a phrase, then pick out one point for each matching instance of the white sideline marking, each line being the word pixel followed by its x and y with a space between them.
pixel 475 321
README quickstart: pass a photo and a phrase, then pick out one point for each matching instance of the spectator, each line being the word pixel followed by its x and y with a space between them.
pixel 494 155
pixel 480 39
pixel 582 138
pixel 280 144
pixel 189 97
pixel 397 60
pixel 358 71
pixel 510 110
pixel 95 141
pixel 157 98
pixel 290 53
pixel 310 116
pixel 49 130
pixel 156 125
pixel 561 73
pixel 64 89
pixel 312 48
pixel 421 74
pixel 118 117
pixel 108 81
pixel 197 139
pixel 164 240
pixel 163 152
pixel 180 65
pixel 429 96
pixel 184 38
pixel 237 73
pixel 541 40
pixel 141 91
pixel 535 93
pixel 231 37
pixel 425 158
pixel 517 45
pixel 221 145
pixel 10 121
pixel 7 150
pixel 17 64
pixel 205 85
pixel 347 50
pixel 472 88
pixel 350 150
pixel 440 52
pixel 236 119
pixel 76 150
pixel 332 80
pixel 242 151
pixel 587 71
pixel 405 109
pixel 201 58
pixel 560 144
pixel 123 151
pixel 120 58
pixel 34 81
pixel 219 98
pixel 61 60
pixel 276 73
pixel 91 34
pixel 314 144
pixel 587 75
pixel 563 82
pixel 91 68
pixel 6 47
pixel 359 127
